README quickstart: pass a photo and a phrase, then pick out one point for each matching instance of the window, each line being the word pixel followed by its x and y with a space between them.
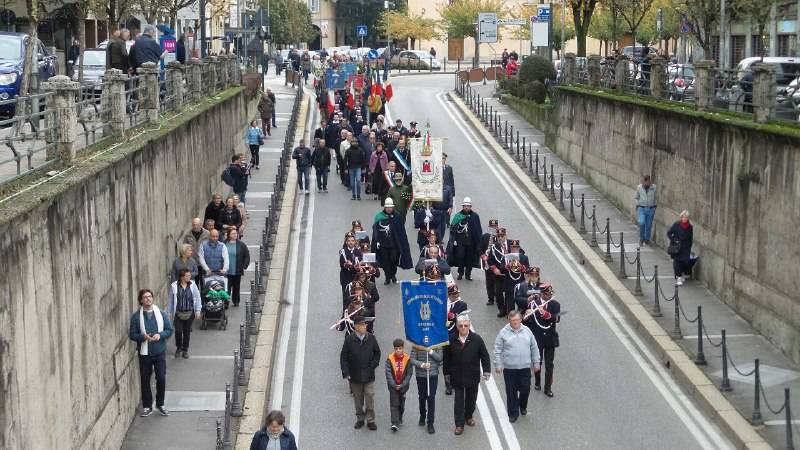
pixel 10 48
pixel 737 49
pixel 313 6
pixel 759 46
pixel 785 44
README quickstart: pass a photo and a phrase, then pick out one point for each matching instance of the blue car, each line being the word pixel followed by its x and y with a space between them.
pixel 12 60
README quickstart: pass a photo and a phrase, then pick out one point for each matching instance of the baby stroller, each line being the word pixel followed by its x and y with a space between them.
pixel 214 298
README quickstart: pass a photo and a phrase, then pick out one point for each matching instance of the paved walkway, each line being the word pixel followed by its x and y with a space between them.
pixel 196 387
pixel 744 343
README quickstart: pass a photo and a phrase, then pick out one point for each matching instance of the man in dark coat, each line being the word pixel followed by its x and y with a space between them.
pixel 432 254
pixel 541 316
pixel 441 211
pixel 359 358
pixel 389 242
pixel 487 240
pixel 424 221
pixel 465 240
pixel 321 160
pixel 447 174
pixel 147 49
pixel 455 307
pixel 496 261
pixel 524 290
pixel 464 360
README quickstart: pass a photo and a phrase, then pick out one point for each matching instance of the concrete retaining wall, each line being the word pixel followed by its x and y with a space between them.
pixel 76 250
pixel 741 184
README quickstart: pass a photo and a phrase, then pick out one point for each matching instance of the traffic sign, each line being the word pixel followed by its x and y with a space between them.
pixel 511 21
pixel 543 11
pixel 361 30
pixel 487 27
pixel 372 54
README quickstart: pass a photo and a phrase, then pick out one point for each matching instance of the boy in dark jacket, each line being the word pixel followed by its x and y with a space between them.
pixel 359 358
pixel 398 376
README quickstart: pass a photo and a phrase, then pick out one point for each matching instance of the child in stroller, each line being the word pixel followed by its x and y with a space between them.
pixel 215 302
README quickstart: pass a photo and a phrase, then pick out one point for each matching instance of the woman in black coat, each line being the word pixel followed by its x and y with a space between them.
pixel 682 233
pixel 214 210
pixel 230 217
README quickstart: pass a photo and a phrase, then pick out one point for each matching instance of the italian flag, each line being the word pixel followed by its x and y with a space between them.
pixel 331 102
pixel 387 89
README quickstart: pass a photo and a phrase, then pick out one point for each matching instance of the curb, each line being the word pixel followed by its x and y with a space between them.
pixel 257 392
pixel 698 386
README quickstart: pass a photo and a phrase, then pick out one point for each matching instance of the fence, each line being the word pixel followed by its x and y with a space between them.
pixel 527 156
pixel 46 129
pixel 258 287
pixel 753 93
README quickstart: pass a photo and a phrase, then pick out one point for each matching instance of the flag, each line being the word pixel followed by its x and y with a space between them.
pixel 387 88
pixel 377 88
pixel 331 102
pixel 425 312
pixel 351 97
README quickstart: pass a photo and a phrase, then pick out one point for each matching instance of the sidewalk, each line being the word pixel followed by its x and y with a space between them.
pixel 196 387
pixel 744 344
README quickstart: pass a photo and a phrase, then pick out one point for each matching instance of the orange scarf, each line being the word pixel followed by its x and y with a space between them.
pixel 398 366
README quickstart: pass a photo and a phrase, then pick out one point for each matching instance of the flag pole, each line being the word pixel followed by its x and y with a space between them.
pixel 428 370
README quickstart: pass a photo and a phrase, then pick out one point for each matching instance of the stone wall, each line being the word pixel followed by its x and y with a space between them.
pixel 740 182
pixel 76 250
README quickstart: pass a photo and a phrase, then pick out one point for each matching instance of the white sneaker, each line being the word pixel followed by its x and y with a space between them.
pixel 679 281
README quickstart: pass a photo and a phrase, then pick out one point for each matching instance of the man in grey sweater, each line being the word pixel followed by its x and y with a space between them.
pixel 645 209
pixel 516 356
pixel 426 363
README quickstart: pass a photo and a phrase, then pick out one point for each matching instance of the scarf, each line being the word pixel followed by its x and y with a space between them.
pixel 381 215
pixel 684 225
pixel 398 367
pixel 458 218
pixel 159 320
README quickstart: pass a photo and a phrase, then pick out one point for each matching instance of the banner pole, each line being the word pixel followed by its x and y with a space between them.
pixel 428 376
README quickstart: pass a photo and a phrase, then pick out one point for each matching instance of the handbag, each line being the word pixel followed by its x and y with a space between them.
pixel 184 315
pixel 260 140
pixel 674 247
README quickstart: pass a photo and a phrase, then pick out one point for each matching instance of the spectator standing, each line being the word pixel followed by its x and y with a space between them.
pixel 516 356
pixel 214 210
pixel 681 235
pixel 230 217
pixel 266 107
pixel 464 359
pixel 274 434
pixel 427 363
pixel 432 51
pixel 378 163
pixel 73 54
pixel 150 328
pixel 302 156
pixel 254 141
pixel 238 261
pixel 398 380
pixel 355 159
pixel 185 260
pixel 447 175
pixel 359 358
pixel 271 96
pixel 147 48
pixel 645 209
pixel 183 307
pixel 117 51
pixel 240 174
pixel 243 213
pixel 321 159
pixel 194 238
pixel 278 62
pixel 180 50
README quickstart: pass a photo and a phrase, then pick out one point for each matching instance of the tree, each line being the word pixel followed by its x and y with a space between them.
pixel 604 27
pixel 670 25
pixel 704 17
pixel 290 22
pixel 757 12
pixel 632 12
pixel 459 19
pixel 34 11
pixel 399 25
pixel 582 11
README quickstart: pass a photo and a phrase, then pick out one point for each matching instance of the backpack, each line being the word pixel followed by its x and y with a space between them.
pixel 227 177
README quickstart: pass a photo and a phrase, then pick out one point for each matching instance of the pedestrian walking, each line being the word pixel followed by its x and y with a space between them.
pixel 426 364
pixel 254 140
pixel 274 435
pixel 196 235
pixel 180 49
pixel 542 314
pixel 398 380
pixel 185 260
pixel 488 239
pixel 321 160
pixel 355 158
pixel 230 217
pixel 465 359
pixel 465 239
pixel 238 261
pixel 278 62
pixel 401 195
pixel 517 264
pixel 183 306
pixel 378 164
pixel 302 156
pixel 516 356
pixel 359 358
pixel 680 236
pixel 150 328
pixel 447 174
pixel 214 210
pixel 271 96
pixel 389 242
pixel 265 108
pixel 524 290
pixel 73 54
pixel 213 255
pixel 239 174
pixel 645 209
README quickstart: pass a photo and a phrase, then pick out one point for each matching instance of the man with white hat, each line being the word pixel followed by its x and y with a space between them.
pixel 389 241
pixel 465 238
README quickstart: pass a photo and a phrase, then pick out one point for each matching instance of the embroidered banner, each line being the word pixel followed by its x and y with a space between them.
pixel 425 312
pixel 427 168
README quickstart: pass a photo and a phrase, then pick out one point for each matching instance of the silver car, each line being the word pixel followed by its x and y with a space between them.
pixel 94 66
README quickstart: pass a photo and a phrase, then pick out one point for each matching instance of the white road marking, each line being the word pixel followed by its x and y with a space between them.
pixel 286 318
pixel 663 382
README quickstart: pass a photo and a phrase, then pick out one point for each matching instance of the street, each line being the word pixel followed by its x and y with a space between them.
pixel 610 390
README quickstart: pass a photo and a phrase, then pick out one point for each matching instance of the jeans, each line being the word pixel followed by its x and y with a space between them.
pixel 322 178
pixel 518 388
pixel 303 174
pixel 355 181
pixel 148 364
pixel 254 155
pixel 241 195
pixel 427 400
pixel 364 400
pixel 645 222
pixel 234 287
pixel 397 405
pixel 274 123
pixel 183 330
pixel 464 406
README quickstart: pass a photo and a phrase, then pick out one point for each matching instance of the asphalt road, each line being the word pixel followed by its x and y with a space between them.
pixel 610 392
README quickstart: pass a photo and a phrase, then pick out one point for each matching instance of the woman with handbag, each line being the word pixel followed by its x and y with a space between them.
pixel 182 308
pixel 254 139
pixel 680 247
pixel 238 260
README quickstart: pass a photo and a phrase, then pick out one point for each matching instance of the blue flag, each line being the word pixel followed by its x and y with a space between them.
pixel 425 312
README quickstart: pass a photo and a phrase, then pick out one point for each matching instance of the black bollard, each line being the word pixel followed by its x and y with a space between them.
pixel 622 269
pixel 220 443
pixel 607 256
pixel 700 357
pixel 236 405
pixel 756 418
pixel 524 147
pixel 228 411
pixel 544 174
pixel 676 329
pixel 788 414
pixel 725 386
pixel 656 283
pixel 571 203
pixel 561 192
pixel 242 380
pixel 582 228
pixel 552 183
pixel 593 242
pixel 517 145
pixel 637 290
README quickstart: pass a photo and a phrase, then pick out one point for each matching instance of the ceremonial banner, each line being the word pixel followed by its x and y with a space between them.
pixel 427 168
pixel 425 312
pixel 335 79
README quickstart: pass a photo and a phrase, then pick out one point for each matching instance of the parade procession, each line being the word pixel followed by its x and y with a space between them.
pixel 407 175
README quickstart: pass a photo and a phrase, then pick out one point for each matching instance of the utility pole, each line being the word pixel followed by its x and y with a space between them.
pixel 722 25
pixel 203 51
pixel 563 24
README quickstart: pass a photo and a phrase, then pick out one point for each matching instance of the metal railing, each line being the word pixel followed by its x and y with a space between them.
pixel 26 134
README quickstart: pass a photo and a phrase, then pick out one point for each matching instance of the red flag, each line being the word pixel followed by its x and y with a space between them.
pixel 351 101
pixel 376 89
pixel 388 90
pixel 331 101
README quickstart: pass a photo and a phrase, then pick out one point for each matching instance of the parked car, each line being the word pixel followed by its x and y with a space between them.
pixel 787 70
pixel 12 61
pixel 416 59
pixel 680 82
pixel 128 44
pixel 94 66
pixel 628 51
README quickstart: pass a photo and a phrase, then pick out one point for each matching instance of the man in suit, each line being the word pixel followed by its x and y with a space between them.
pixel 447 174
pixel 465 359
